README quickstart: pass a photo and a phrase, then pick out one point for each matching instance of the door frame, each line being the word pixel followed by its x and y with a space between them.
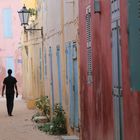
pixel 117 87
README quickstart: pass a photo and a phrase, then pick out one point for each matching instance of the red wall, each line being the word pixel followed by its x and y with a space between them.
pixel 86 96
pixel 131 99
pixel 96 99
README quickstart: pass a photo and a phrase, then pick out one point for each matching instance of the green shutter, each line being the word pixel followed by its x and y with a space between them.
pixel 134 42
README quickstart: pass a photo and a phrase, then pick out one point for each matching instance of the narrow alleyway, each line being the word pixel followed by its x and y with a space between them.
pixel 19 126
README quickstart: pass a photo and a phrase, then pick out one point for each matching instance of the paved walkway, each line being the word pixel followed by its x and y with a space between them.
pixel 19 126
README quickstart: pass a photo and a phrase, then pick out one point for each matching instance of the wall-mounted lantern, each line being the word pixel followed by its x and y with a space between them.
pixel 24 15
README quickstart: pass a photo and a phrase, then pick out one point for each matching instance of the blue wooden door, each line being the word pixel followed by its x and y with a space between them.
pixel 72 82
pixel 67 64
pixel 59 74
pixel 10 64
pixel 117 71
pixel 117 83
pixel 51 78
pixel 75 85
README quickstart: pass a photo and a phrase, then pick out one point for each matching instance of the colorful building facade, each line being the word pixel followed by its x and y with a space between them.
pixel 51 61
pixel 10 48
pixel 60 56
pixel 109 70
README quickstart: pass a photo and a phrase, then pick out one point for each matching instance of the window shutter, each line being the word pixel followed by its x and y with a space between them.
pixel 97 8
pixel 40 60
pixel 134 43
pixel 45 63
pixel 115 9
pixel 89 48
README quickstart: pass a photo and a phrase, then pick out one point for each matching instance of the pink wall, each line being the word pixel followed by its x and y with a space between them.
pixel 9 46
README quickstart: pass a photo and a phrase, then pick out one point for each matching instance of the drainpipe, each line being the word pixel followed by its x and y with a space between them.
pixel 63 47
pixel 43 82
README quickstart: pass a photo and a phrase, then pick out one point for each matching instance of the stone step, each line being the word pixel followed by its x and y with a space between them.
pixel 69 138
pixel 40 119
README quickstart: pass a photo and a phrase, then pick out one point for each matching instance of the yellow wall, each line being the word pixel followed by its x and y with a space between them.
pixel 33 84
pixel 29 3
pixel 32 43
pixel 60 24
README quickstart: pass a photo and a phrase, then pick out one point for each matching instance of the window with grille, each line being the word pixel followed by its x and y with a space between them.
pixel 89 47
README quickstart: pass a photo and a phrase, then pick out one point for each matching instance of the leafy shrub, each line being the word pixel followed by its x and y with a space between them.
pixel 43 104
pixel 58 121
pixel 58 124
pixel 45 127
pixel 33 12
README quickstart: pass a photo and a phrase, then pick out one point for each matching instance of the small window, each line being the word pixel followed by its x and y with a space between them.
pixel 97 8
pixel 7 22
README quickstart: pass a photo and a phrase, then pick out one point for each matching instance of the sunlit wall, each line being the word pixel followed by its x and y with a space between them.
pixel 10 29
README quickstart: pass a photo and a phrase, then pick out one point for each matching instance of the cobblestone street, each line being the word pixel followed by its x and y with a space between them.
pixel 19 126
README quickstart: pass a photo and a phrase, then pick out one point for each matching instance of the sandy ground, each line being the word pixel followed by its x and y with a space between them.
pixel 19 126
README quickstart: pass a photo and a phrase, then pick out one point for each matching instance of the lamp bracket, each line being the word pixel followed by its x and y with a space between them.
pixel 33 29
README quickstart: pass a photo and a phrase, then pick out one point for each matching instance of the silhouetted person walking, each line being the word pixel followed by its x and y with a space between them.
pixel 10 84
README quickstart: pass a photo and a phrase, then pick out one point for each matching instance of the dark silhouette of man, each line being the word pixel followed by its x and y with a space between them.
pixel 10 84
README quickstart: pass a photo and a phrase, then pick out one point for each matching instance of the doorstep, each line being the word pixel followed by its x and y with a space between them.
pixel 69 138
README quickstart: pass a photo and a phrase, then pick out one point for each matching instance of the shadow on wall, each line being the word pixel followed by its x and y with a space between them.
pixel 2 75
pixel 19 83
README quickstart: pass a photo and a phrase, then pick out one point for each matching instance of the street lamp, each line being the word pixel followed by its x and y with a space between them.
pixel 24 15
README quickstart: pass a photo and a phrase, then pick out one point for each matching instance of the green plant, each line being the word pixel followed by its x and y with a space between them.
pixel 43 104
pixel 35 115
pixel 58 121
pixel 45 127
pixel 33 12
pixel 57 126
